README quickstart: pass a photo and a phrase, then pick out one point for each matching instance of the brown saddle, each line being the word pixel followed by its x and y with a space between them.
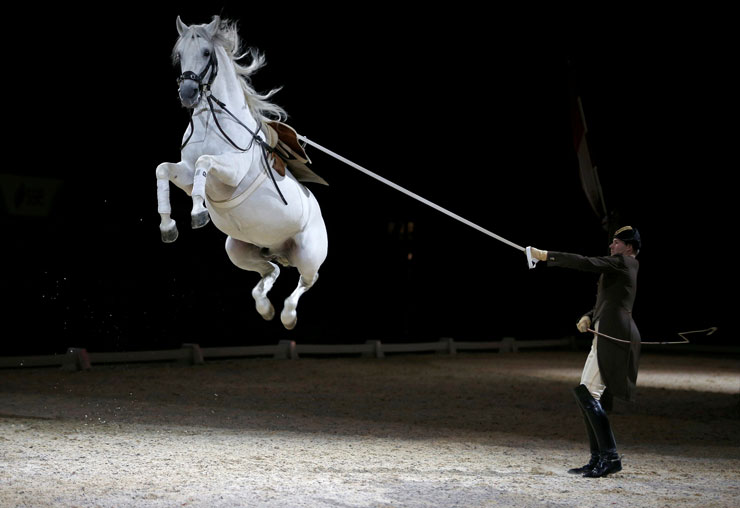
pixel 288 152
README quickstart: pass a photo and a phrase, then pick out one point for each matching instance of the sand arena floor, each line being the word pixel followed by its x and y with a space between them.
pixel 471 430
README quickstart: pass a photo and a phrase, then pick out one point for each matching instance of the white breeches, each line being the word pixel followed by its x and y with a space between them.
pixel 591 377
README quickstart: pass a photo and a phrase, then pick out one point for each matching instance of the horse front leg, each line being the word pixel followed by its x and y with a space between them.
pixel 199 215
pixel 181 175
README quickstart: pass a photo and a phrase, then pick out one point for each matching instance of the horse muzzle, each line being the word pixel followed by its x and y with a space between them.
pixel 192 85
pixel 189 92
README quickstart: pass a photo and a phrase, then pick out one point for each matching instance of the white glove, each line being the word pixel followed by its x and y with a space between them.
pixel 584 324
pixel 538 254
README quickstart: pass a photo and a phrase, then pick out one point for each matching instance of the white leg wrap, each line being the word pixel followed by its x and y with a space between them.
pixel 163 196
pixel 199 183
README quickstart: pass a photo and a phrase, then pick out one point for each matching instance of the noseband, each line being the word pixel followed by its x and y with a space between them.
pixel 198 78
pixel 205 89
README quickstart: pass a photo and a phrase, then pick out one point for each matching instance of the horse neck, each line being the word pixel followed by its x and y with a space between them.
pixel 228 90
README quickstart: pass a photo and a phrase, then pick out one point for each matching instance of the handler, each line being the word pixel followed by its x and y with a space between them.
pixel 611 364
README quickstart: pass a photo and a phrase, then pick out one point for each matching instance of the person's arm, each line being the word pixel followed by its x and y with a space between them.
pixel 598 264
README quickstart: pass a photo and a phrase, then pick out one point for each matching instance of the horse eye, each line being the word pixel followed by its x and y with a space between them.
pixel 206 52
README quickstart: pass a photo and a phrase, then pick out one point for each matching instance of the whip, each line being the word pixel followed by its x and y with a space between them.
pixel 684 340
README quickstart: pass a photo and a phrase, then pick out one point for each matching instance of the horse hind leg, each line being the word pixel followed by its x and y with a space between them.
pixel 248 257
pixel 307 254
pixel 259 293
pixel 289 315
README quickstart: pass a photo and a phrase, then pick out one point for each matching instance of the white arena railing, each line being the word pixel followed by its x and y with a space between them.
pixel 81 359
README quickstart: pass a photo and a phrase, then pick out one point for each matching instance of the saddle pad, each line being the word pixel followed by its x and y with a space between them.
pixel 289 152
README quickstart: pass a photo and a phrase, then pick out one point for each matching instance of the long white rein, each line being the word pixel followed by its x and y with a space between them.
pixel 411 194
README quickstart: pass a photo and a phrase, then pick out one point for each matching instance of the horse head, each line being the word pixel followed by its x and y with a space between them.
pixel 196 54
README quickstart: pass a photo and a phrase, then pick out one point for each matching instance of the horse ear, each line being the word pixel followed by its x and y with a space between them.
pixel 213 26
pixel 181 27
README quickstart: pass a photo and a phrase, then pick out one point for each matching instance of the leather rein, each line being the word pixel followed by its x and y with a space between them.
pixel 204 89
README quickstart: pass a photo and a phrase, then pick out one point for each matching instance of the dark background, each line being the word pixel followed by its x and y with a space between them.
pixel 467 108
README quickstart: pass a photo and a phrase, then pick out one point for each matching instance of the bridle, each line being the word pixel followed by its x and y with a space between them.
pixel 204 89
pixel 198 78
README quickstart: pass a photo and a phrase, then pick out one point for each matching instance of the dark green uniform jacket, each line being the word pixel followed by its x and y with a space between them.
pixel 618 362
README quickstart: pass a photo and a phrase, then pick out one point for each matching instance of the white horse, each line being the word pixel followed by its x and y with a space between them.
pixel 230 173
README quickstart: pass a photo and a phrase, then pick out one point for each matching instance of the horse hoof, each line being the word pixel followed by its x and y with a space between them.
pixel 266 310
pixel 289 319
pixel 169 235
pixel 200 219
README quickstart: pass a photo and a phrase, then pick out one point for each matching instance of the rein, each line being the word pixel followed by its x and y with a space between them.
pixel 205 90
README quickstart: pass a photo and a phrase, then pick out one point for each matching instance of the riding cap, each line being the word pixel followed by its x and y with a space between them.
pixel 629 235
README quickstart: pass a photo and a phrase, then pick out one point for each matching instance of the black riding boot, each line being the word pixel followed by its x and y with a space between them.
pixel 593 444
pixel 609 461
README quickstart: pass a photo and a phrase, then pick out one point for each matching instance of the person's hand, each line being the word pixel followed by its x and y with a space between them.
pixel 540 255
pixel 584 324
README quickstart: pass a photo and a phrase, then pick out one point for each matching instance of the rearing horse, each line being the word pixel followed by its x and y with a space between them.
pixel 228 169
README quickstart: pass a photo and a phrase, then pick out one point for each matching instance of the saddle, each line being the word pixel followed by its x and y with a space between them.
pixel 288 152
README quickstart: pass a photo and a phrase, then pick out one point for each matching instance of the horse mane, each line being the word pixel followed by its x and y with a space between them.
pixel 227 36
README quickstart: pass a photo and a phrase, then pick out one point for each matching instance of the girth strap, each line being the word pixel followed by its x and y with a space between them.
pixel 231 203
